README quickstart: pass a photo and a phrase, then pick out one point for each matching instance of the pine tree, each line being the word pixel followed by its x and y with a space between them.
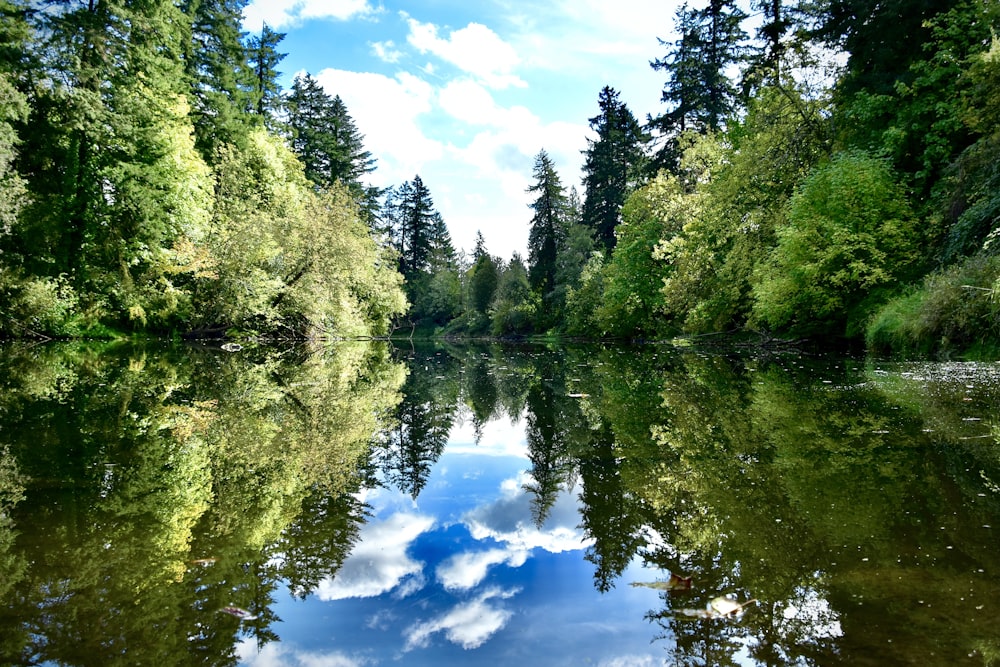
pixel 218 72
pixel 263 56
pixel 417 223
pixel 698 88
pixel 114 180
pixel 484 278
pixel 325 137
pixel 547 230
pixel 613 163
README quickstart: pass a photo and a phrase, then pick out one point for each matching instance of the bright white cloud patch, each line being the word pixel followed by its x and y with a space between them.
pixel 387 111
pixel 468 625
pixel 474 49
pixel 276 654
pixel 467 570
pixel 282 13
pixel 379 563
pixel 509 521
pixel 386 51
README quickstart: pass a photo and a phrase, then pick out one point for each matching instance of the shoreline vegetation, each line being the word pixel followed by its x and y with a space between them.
pixel 833 177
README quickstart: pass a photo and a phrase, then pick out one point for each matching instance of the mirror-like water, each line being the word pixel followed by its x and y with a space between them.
pixel 497 505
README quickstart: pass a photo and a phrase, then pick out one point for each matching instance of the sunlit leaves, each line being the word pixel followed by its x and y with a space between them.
pixel 850 231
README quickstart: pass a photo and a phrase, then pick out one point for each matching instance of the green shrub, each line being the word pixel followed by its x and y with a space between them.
pixel 850 235
pixel 41 306
pixel 953 310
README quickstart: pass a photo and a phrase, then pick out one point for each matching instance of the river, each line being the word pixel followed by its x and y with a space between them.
pixel 361 504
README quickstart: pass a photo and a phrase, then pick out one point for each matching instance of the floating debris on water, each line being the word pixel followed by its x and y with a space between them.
pixel 202 561
pixel 674 583
pixel 239 612
pixel 720 607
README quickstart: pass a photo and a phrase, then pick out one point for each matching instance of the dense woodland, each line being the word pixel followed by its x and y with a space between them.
pixel 824 168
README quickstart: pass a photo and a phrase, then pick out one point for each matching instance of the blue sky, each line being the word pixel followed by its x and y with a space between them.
pixel 462 575
pixel 465 94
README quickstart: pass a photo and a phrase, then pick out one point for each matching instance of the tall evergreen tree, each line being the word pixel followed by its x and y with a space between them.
pixel 325 137
pixel 698 88
pixel 414 221
pixel 218 71
pixel 263 56
pixel 547 229
pixel 612 165
pixel 766 61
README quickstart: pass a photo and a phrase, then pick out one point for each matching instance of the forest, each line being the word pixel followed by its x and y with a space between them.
pixel 822 169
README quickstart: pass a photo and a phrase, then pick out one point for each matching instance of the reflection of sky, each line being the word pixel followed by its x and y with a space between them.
pixel 463 576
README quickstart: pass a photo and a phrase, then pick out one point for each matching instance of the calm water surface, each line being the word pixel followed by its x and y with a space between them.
pixel 362 505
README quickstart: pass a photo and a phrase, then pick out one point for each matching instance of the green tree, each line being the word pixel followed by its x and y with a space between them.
pixel 324 136
pixel 219 75
pixel 484 279
pixel 515 307
pixel 284 257
pixel 632 300
pixel 742 183
pixel 612 165
pixel 263 56
pixel 547 233
pixel 850 236
pixel 699 92
pixel 13 111
pixel 111 166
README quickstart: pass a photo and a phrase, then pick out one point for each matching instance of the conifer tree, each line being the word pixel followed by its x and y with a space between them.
pixel 547 229
pixel 113 177
pixel 218 72
pixel 613 163
pixel 698 89
pixel 263 57
pixel 324 136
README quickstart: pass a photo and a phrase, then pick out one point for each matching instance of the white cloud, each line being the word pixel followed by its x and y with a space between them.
pixel 474 49
pixel 500 437
pixel 387 111
pixel 283 13
pixel 386 51
pixel 468 625
pixel 508 521
pixel 466 570
pixel 379 563
pixel 276 654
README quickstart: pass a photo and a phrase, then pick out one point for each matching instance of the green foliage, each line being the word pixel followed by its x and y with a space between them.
pixel 613 163
pixel 850 232
pixel 483 282
pixel 698 89
pixel 739 185
pixel 218 73
pixel 953 309
pixel 283 257
pixel 39 306
pixel 13 109
pixel 632 301
pixel 970 189
pixel 584 300
pixel 547 231
pixel 515 305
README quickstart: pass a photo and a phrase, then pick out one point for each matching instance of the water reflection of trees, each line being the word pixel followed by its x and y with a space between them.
pixel 162 485
pixel 813 487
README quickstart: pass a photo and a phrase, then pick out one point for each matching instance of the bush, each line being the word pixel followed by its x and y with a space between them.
pixel 955 309
pixel 850 235
pixel 40 306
